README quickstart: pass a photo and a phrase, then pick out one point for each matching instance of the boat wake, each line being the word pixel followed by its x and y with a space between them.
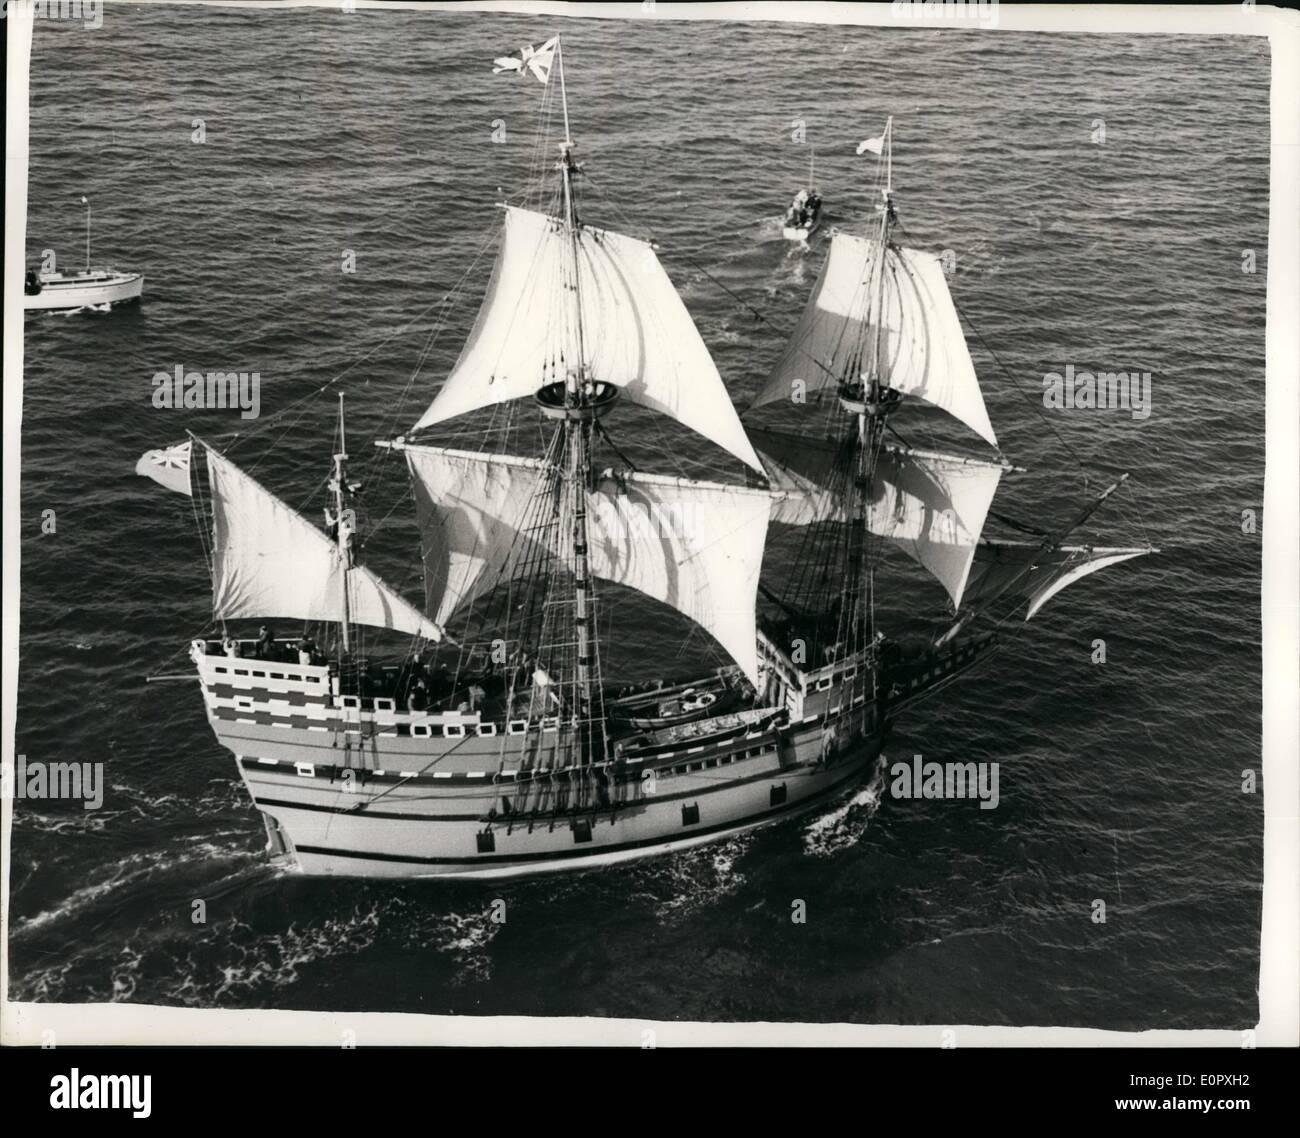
pixel 830 833
pixel 684 883
pixel 105 307
pixel 135 870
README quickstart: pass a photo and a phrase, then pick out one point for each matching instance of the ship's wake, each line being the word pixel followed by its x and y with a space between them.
pixel 684 883
pixel 842 827
pixel 105 307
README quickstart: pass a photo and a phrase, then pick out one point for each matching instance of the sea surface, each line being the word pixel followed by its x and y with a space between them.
pixel 325 132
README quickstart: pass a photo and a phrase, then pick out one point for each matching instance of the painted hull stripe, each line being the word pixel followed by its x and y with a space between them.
pixel 595 851
pixel 523 818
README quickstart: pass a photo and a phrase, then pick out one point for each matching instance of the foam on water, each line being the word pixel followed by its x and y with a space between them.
pixel 841 827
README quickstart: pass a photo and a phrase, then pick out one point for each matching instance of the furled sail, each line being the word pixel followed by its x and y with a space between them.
pixel 932 506
pixel 269 561
pixel 922 348
pixel 1019 568
pixel 636 331
pixel 697 546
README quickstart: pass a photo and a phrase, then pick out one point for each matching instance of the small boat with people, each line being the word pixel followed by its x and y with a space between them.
pixel 804 216
pixel 80 288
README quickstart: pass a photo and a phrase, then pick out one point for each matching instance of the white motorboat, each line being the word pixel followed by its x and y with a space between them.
pixel 82 288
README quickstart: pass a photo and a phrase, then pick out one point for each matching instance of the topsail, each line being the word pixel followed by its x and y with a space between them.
pixel 636 331
pixel 922 350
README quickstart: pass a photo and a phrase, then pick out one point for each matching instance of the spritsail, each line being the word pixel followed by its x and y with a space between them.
pixel 1034 575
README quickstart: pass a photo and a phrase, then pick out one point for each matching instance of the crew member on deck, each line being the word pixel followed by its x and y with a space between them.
pixel 265 643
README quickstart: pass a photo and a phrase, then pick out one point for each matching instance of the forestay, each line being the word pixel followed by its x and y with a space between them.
pixel 636 332
pixel 922 349
pixel 269 561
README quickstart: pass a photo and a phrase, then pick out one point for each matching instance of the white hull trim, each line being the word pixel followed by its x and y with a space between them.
pixel 53 296
pixel 323 862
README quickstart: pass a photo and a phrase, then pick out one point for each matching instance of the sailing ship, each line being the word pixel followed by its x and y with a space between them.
pixel 804 216
pixel 81 288
pixel 493 744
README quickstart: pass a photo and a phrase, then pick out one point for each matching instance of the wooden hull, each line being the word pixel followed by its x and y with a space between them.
pixel 415 833
pixel 380 793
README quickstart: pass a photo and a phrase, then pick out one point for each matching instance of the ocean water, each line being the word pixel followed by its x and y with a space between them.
pixel 372 132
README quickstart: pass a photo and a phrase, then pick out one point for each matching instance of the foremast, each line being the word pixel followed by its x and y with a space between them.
pixel 881 325
pixel 868 399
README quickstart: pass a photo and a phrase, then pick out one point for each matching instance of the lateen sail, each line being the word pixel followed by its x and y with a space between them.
pixel 269 561
pixel 999 564
pixel 636 331
pixel 932 506
pixel 922 349
pixel 697 546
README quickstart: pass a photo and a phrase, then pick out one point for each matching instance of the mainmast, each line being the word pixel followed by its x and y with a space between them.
pixel 578 419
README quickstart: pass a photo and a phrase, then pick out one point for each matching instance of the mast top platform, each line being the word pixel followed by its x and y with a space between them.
pixel 594 401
